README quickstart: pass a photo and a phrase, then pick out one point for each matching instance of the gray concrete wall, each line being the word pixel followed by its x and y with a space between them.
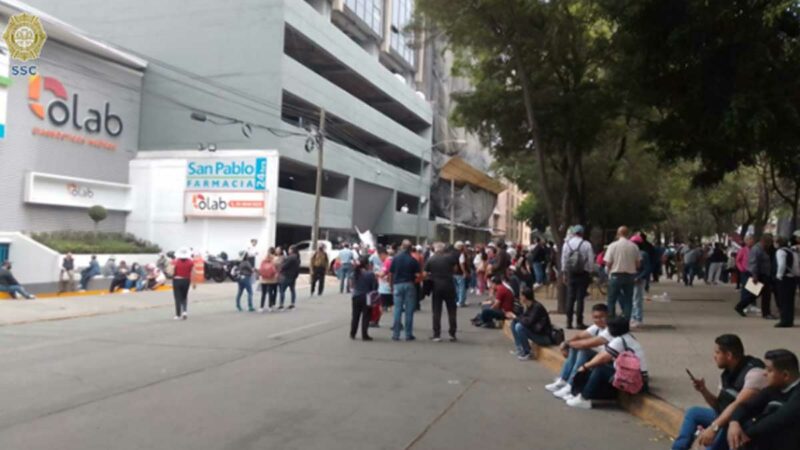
pixel 95 81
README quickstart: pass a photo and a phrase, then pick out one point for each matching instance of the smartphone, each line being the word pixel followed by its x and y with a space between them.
pixel 689 372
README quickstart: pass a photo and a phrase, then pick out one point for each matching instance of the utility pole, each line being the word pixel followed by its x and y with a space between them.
pixel 318 193
pixel 422 191
pixel 452 209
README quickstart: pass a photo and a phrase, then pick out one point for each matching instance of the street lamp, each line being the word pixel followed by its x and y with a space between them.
pixel 422 200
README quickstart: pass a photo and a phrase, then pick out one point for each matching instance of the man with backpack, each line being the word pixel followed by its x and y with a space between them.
pixel 577 261
pixel 787 272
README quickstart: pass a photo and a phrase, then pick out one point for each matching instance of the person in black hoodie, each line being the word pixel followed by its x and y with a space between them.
pixel 771 421
pixel 290 269
pixel 533 324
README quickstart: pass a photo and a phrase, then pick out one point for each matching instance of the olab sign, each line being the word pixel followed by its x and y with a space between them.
pixel 224 204
pixel 63 111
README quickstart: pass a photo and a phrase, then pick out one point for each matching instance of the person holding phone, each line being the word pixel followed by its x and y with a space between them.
pixel 742 379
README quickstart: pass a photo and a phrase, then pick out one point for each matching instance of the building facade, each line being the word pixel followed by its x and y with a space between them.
pixel 261 73
pixel 504 225
pixel 71 125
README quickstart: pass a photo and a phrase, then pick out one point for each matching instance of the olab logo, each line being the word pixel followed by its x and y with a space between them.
pixel 203 203
pixel 63 110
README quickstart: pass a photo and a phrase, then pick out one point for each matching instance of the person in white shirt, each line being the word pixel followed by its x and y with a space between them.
pixel 601 368
pixel 581 348
pixel 787 271
pixel 622 259
pixel 577 264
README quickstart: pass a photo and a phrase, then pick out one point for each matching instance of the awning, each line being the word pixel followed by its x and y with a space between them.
pixel 460 171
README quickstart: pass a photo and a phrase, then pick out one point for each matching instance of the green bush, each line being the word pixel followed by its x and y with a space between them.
pixel 91 242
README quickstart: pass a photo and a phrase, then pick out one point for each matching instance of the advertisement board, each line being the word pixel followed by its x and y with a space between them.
pixel 224 204
pixel 60 190
pixel 240 174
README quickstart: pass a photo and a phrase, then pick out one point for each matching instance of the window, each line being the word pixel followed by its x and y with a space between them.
pixel 370 12
pixel 400 41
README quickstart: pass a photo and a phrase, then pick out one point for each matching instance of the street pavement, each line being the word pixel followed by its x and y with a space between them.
pixel 136 379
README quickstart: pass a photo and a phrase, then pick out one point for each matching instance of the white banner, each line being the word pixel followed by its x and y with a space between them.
pixel 60 190
pixel 225 204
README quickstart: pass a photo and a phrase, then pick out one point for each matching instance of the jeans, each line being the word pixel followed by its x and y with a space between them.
pixel 576 293
pixel 443 294
pixel 638 301
pixel 784 297
pixel 288 284
pixel 461 289
pixel 180 291
pixel 16 289
pixel 404 301
pixel 714 272
pixel 689 272
pixel 489 315
pixel 620 290
pixel 270 290
pixel 245 285
pixel 598 385
pixel 344 277
pixel 575 359
pixel 538 270
pixel 318 279
pixel 522 335
pixel 85 277
pixel 697 416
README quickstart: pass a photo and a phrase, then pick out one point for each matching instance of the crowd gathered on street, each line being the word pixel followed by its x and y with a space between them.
pixel 758 401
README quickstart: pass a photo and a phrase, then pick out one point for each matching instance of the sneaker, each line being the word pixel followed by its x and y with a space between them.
pixel 536 286
pixel 635 324
pixel 291 306
pixel 564 391
pixel 176 318
pixel 251 310
pixel 261 310
pixel 184 316
pixel 126 291
pixel 740 312
pixel 579 402
pixel 453 339
pixel 411 338
pixel 270 309
pixel 525 357
pixel 31 297
pixel 280 307
pixel 557 385
pixel 395 338
pixel 436 339
pixel 366 338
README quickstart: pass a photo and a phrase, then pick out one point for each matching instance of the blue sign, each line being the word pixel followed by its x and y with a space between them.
pixel 227 174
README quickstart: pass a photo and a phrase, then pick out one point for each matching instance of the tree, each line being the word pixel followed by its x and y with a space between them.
pixel 540 97
pixel 719 79
pixel 98 214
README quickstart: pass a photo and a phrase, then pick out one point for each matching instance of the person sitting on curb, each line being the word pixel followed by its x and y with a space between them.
pixel 135 279
pixel 742 378
pixel 119 279
pixel 581 348
pixel 496 309
pixel 154 278
pixel 89 272
pixel 595 382
pixel 10 284
pixel 533 324
pixel 771 420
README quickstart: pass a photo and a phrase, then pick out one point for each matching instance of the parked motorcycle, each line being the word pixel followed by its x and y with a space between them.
pixel 216 267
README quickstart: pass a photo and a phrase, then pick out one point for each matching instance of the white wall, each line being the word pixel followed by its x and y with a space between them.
pixel 31 261
pixel 159 180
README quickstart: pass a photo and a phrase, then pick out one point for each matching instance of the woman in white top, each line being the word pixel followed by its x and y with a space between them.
pixel 600 369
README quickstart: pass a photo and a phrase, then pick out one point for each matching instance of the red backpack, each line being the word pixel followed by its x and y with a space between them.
pixel 628 375
pixel 268 271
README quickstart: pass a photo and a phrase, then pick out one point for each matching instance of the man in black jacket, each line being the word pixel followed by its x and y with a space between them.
pixel 771 421
pixel 439 270
pixel 533 324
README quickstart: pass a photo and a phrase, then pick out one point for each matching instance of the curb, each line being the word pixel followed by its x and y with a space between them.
pixel 650 408
pixel 56 295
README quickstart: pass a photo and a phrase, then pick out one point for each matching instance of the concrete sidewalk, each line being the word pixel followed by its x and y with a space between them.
pixel 680 334
pixel 72 305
